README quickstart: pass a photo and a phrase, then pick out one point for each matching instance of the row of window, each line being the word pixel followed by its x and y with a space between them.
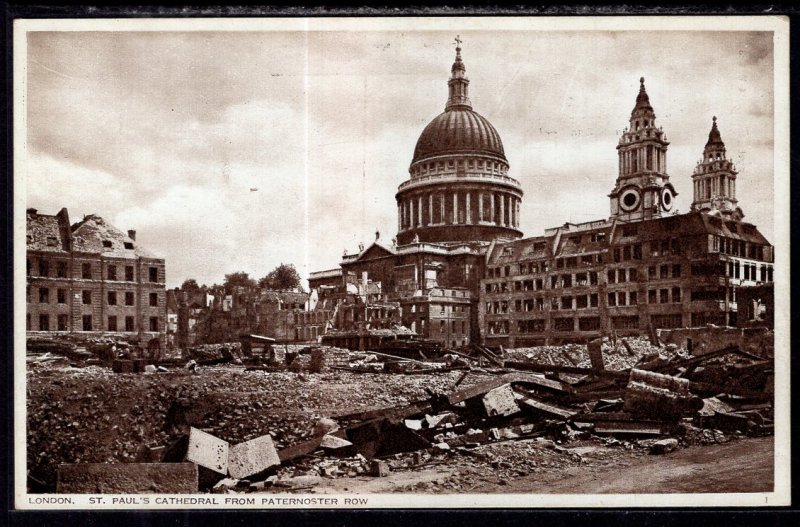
pixel 567 302
pixel 86 297
pixel 614 276
pixel 501 327
pixel 739 248
pixel 86 270
pixel 62 323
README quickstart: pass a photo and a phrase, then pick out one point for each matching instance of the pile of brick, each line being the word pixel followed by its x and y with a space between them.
pixel 323 359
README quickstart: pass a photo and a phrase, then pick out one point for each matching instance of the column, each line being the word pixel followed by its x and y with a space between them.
pixel 502 209
pixel 399 217
pixel 455 208
pixel 491 207
pixel 441 209
pixel 480 207
pixel 411 213
pixel 519 206
pixel 430 209
pixel 419 211
pixel 468 209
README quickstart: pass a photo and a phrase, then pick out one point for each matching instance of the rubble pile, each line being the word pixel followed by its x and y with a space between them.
pixel 214 353
pixel 528 411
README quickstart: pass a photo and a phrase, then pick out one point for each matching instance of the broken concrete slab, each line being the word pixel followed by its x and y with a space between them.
pixel 549 409
pixel 208 451
pixel 500 401
pixel 252 457
pixel 331 442
pixel 300 449
pixel 127 478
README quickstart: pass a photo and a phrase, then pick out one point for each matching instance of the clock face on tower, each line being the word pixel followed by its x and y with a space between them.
pixel 630 199
pixel 667 199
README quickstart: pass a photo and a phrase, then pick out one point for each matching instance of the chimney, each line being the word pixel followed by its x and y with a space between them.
pixel 132 234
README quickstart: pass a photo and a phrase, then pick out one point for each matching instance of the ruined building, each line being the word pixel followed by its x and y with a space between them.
pixel 92 279
pixel 644 267
pixel 459 270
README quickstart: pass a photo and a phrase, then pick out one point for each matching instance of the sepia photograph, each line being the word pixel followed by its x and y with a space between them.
pixel 401 262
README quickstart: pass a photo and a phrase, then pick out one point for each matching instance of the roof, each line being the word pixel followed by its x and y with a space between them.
pixel 689 224
pixel 47 233
pixel 459 131
pixel 95 235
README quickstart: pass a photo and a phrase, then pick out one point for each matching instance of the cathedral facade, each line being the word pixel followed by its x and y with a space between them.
pixel 460 271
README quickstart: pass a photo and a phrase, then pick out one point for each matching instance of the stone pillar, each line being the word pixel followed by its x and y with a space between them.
pixel 491 208
pixel 502 210
pixel 455 208
pixel 480 207
pixel 411 213
pixel 468 209
pixel 430 209
pixel 443 220
pixel 399 217
pixel 419 211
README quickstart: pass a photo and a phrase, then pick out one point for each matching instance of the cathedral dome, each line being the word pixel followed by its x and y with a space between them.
pixel 459 131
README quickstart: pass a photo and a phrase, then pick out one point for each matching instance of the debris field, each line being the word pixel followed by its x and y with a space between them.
pixel 301 418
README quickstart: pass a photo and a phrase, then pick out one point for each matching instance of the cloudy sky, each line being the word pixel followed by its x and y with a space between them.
pixel 240 150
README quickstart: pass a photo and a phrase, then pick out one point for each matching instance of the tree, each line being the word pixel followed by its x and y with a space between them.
pixel 190 286
pixel 282 278
pixel 240 279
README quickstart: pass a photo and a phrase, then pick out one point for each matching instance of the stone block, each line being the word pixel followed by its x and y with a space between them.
pixel 664 446
pixel 252 457
pixel 127 478
pixel 208 451
pixel 500 401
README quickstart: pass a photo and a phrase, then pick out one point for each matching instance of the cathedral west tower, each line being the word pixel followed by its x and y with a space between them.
pixel 642 190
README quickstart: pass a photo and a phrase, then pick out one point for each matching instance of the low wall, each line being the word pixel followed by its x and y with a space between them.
pixel 705 339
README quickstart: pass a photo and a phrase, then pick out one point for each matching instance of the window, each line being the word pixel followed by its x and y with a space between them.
pixel 52 241
pixel 676 271
pixel 632 300
pixel 637 251
pixel 129 299
pixel 44 322
pixel 612 299
pixel 107 243
pixel 112 323
pixel 129 273
pixel 112 272
pixel 27 321
pixel 651 272
pixel 589 323
pixel 664 272
pixel 44 267
pixel 61 296
pixel 676 295
pixel 63 322
pixel 61 269
pixel 86 270
pixel 87 322
pixel 154 274
pixel 563 324
pixel 128 245
pixel 112 298
pixel 632 274
pixel 154 300
pixel 44 295
pixel 593 300
pixel 129 326
pixel 621 298
pixel 663 296
pixel 651 296
pixel 87 297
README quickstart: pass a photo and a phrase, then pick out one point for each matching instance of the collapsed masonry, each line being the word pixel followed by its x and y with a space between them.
pixel 657 396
